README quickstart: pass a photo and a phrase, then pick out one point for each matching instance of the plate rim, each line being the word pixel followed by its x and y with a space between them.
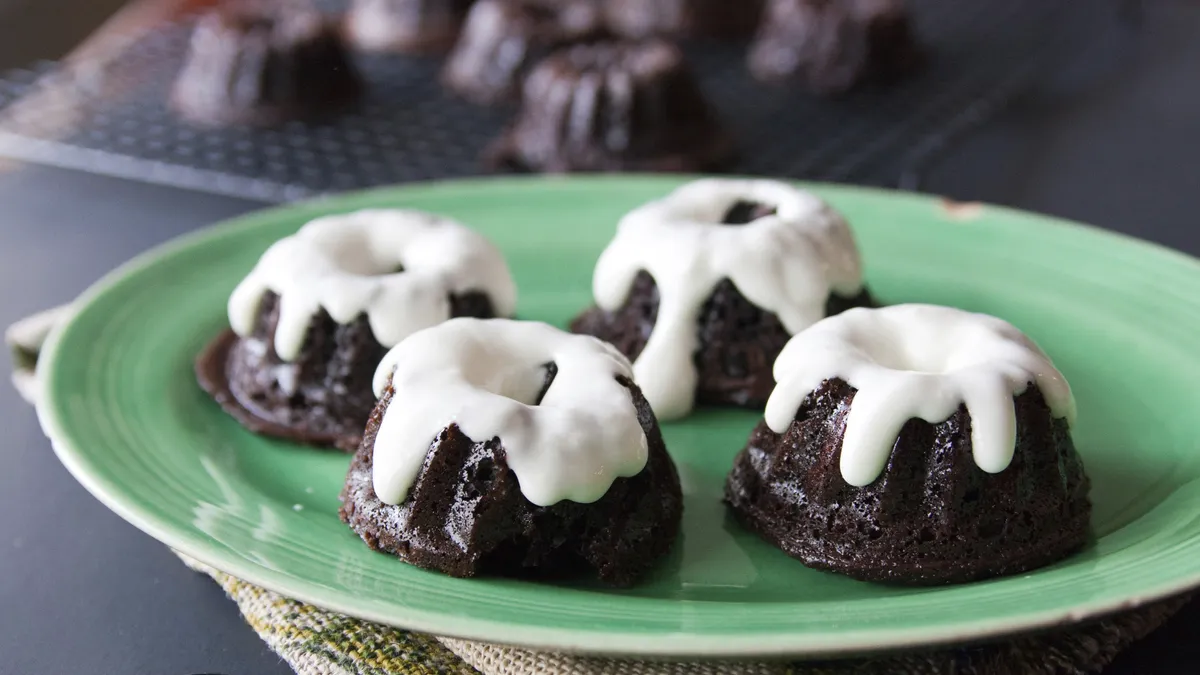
pixel 839 642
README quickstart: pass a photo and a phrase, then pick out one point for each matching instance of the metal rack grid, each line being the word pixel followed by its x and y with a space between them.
pixel 115 120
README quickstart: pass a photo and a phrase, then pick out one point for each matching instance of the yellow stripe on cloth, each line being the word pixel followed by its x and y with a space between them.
pixel 315 642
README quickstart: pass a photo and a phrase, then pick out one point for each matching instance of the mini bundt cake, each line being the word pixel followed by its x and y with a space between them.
pixel 320 309
pixel 719 19
pixel 612 106
pixel 264 63
pixel 501 39
pixel 915 444
pixel 513 449
pixel 408 26
pixel 704 288
pixel 833 45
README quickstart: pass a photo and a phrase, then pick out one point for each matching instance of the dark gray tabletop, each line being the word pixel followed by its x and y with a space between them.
pixel 81 591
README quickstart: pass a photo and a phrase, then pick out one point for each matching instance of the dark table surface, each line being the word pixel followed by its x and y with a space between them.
pixel 1113 143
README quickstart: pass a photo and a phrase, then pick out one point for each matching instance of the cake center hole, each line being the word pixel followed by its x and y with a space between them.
pixel 913 359
pixel 357 258
pixel 523 383
pixel 551 372
pixel 743 212
pixel 373 268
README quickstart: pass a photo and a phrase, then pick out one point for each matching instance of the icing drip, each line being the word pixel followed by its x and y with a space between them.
pixel 909 361
pixel 786 262
pixel 485 375
pixel 350 264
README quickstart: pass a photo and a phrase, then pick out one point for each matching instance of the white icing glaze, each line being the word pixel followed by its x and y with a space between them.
pixel 917 361
pixel 345 264
pixel 786 263
pixel 484 375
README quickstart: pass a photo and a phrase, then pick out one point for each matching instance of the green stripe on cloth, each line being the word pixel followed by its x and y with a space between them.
pixel 315 642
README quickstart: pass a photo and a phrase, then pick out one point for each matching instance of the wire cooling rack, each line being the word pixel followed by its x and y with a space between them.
pixel 114 120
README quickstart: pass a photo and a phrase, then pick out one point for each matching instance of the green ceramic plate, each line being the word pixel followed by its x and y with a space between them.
pixel 1120 318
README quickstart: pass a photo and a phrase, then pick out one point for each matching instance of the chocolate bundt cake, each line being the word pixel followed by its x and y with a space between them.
pixel 833 45
pixel 408 26
pixel 320 309
pixel 501 39
pixel 704 287
pixel 264 63
pixel 512 448
pixel 915 444
pixel 720 19
pixel 612 106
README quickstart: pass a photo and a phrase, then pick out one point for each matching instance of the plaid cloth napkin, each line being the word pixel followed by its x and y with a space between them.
pixel 316 642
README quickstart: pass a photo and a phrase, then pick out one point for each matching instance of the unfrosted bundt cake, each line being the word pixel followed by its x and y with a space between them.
pixel 720 19
pixel 704 287
pixel 501 39
pixel 408 26
pixel 614 106
pixel 833 45
pixel 263 63
pixel 320 309
pixel 915 444
pixel 513 448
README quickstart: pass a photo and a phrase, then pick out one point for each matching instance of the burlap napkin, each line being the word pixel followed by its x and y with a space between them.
pixel 317 642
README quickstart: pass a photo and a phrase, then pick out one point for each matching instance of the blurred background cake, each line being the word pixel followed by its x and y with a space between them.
pixel 503 38
pixel 410 26
pixel 721 19
pixel 614 106
pixel 263 63
pixel 833 45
